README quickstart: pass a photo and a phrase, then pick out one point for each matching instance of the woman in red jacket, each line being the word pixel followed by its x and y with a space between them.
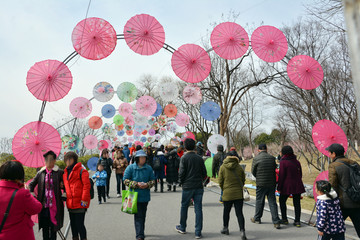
pixel 77 187
pixel 18 225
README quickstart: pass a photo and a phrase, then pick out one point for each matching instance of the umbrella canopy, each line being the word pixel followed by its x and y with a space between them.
pixel 119 127
pixel 325 133
pixel 191 63
pixel 90 142
pixel 192 94
pixel 229 40
pixel 155 127
pixel 108 111
pixel 162 120
pixel 103 144
pixel 322 176
pixel 106 129
pixel 70 142
pixel 109 143
pixel 269 43
pixel 208 165
pixel 214 141
pixel 305 72
pixel 103 92
pixel 170 110
pixel 152 132
pixel 125 109
pixel 121 133
pixel 140 119
pixel 151 120
pixel 143 139
pixel 95 122
pixel 158 110
pixel 186 135
pixel 127 92
pixel 118 120
pixel 146 105
pixel 80 107
pixel 144 34
pixel 210 110
pixel 129 132
pixel 33 140
pixel 168 91
pixel 92 163
pixel 182 119
pixel 129 120
pixel 94 38
pixel 49 80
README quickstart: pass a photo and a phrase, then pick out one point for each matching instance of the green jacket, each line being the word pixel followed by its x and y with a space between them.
pixel 231 184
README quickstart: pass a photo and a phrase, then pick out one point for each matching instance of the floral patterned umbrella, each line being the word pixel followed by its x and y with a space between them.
pixel 182 119
pixel 168 91
pixel 103 92
pixel 192 94
pixel 127 92
pixel 146 105
pixel 95 122
pixel 80 107
pixel 170 110
pixel 125 109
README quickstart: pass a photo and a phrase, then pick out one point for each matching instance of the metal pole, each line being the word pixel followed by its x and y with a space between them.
pixel 352 19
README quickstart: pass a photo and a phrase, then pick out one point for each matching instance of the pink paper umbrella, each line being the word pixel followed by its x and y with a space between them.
pixel 325 133
pixel 269 43
pixel 322 176
pixel 103 144
pixel 191 63
pixel 90 142
pixel 146 105
pixel 229 40
pixel 186 135
pixel 192 94
pixel 125 109
pixel 33 140
pixel 152 132
pixel 49 80
pixel 305 72
pixel 80 107
pixel 182 119
pixel 144 34
pixel 94 38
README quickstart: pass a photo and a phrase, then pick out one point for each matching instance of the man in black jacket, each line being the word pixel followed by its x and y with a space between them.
pixel 263 168
pixel 191 175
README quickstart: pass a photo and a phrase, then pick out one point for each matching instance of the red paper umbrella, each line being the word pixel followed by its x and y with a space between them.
pixel 186 135
pixel 33 140
pixel 95 122
pixel 182 119
pixel 325 133
pixel 170 110
pixel 191 63
pixel 229 40
pixel 144 132
pixel 129 132
pixel 103 144
pixel 125 109
pixel 305 72
pixel 192 94
pixel 322 176
pixel 49 80
pixel 144 34
pixel 80 107
pixel 269 43
pixel 90 142
pixel 146 105
pixel 94 38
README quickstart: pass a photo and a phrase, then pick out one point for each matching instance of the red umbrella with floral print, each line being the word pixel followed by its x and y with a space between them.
pixel 95 122
pixel 229 40
pixel 191 63
pixel 94 38
pixel 33 140
pixel 305 72
pixel 170 110
pixel 144 34
pixel 269 43
pixel 49 80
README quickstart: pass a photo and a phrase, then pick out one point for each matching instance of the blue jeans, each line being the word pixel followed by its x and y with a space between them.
pixel 197 195
pixel 139 219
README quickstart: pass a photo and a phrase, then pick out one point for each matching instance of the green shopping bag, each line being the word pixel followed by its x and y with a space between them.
pixel 129 201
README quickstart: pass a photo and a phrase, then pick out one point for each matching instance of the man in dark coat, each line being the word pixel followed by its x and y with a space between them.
pixel 46 220
pixel 172 167
pixel 218 160
pixel 263 168
pixel 126 152
pixel 339 178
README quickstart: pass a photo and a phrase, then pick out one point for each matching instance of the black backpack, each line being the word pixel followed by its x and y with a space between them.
pixel 156 164
pixel 354 189
pixel 91 185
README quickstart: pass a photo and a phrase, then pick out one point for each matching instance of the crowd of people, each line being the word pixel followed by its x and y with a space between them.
pixel 141 169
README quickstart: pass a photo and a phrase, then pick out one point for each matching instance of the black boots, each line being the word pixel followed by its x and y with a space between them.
pixel 174 188
pixel 243 235
pixel 225 231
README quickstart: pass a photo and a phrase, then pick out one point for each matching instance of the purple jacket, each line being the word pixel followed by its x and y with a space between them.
pixel 290 176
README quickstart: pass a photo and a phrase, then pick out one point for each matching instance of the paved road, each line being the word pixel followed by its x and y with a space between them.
pixel 106 221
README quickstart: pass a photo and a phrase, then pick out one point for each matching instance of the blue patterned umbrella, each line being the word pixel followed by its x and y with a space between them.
pixel 92 162
pixel 121 133
pixel 210 110
pixel 143 139
pixel 158 110
pixel 108 111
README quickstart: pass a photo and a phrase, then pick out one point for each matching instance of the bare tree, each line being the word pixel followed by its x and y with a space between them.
pixel 6 145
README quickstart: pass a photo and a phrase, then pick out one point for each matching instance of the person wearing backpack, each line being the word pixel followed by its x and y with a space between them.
pixel 172 167
pixel 159 162
pixel 340 180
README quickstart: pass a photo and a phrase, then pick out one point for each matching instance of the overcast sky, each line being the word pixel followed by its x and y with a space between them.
pixel 36 30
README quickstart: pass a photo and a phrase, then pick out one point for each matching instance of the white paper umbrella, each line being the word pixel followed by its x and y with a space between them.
pixel 214 141
pixel 168 91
